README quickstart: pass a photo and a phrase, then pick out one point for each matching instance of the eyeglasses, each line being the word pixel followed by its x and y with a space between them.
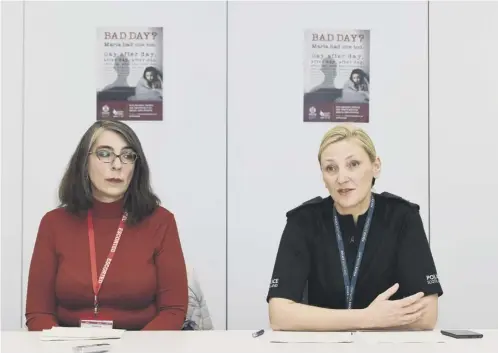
pixel 106 156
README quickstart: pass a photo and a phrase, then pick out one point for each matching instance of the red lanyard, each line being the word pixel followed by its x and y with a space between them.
pixel 97 283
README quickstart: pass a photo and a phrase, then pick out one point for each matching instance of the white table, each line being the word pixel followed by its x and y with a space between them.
pixel 242 341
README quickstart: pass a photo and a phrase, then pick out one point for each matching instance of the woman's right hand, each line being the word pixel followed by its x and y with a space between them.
pixel 385 313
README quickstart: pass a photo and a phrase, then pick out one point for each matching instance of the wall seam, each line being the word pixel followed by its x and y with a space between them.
pixel 429 118
pixel 226 165
pixel 23 101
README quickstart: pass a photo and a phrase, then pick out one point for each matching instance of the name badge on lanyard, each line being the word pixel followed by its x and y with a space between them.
pixel 97 320
pixel 350 284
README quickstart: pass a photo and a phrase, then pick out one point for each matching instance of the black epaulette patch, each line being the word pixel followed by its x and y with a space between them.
pixel 313 201
pixel 396 197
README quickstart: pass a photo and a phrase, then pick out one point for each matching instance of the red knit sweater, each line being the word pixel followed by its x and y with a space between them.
pixel 144 288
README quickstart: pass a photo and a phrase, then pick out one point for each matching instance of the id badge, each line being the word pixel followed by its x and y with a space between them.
pixel 94 323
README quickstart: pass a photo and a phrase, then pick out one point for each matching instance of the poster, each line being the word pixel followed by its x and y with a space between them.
pixel 337 76
pixel 130 73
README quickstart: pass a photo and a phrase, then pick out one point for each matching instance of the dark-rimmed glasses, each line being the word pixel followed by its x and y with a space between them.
pixel 107 156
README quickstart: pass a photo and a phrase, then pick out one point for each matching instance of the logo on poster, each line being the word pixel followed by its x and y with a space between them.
pixel 117 113
pixel 324 115
pixel 105 111
pixel 312 113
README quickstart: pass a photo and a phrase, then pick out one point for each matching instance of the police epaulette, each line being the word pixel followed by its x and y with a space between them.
pixel 313 201
pixel 396 197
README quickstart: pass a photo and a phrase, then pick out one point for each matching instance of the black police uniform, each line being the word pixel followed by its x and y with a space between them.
pixel 396 251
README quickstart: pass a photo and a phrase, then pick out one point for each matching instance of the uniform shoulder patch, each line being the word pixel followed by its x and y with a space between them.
pixel 314 201
pixel 390 196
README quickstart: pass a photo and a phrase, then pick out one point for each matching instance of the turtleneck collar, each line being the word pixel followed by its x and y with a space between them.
pixel 108 209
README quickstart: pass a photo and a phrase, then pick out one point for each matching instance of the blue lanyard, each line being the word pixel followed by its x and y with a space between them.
pixel 351 284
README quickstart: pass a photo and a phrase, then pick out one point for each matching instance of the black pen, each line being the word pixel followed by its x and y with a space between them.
pixel 258 333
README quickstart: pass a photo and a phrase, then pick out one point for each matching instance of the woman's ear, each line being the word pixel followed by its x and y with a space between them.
pixel 376 167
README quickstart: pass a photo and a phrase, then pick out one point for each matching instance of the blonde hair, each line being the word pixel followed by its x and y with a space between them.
pixel 342 132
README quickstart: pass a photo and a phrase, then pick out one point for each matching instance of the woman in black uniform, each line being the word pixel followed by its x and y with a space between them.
pixel 362 259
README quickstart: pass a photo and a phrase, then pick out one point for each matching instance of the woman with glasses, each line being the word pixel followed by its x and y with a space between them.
pixel 109 255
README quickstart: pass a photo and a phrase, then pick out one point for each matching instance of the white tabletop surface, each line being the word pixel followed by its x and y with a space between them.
pixel 242 341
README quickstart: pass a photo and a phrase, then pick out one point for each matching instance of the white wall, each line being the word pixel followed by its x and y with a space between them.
pixel 186 151
pixel 12 157
pixel 272 163
pixel 464 183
